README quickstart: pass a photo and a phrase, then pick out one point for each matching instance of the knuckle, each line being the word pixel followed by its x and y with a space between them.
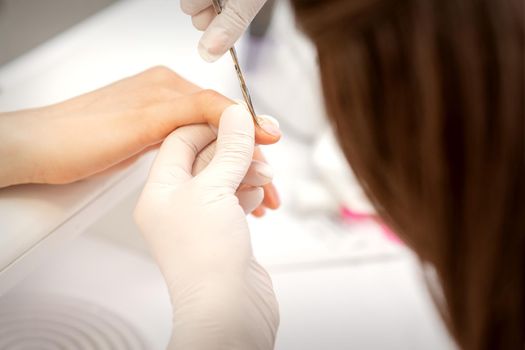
pixel 160 74
pixel 209 96
pixel 211 102
pixel 207 99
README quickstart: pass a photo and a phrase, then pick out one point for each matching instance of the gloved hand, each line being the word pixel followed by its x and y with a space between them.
pixel 220 31
pixel 196 228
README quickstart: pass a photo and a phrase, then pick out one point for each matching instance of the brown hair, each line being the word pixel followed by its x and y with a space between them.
pixel 427 100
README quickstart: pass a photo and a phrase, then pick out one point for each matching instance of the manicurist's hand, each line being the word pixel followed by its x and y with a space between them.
pixel 220 31
pixel 82 136
pixel 192 214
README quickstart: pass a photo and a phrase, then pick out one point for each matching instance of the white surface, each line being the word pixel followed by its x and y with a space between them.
pixel 366 306
pixel 284 77
pixel 37 220
pixel 339 287
pixel 122 40
pixel 121 281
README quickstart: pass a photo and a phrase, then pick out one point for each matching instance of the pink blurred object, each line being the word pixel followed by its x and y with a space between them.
pixel 352 216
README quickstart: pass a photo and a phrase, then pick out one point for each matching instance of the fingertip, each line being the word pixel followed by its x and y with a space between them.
pixel 263 138
pixel 264 118
pixel 270 204
pixel 259 212
pixel 192 7
pixel 206 55
pixel 271 197
pixel 268 130
pixel 214 42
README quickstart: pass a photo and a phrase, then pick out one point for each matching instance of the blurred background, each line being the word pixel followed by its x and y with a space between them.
pixel 74 271
pixel 19 20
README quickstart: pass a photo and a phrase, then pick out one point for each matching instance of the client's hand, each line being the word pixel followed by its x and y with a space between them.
pixel 74 139
pixel 197 231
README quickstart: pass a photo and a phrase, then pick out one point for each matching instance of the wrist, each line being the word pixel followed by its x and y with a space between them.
pixel 229 313
pixel 15 159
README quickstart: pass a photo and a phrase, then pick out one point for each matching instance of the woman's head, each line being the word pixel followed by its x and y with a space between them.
pixel 427 100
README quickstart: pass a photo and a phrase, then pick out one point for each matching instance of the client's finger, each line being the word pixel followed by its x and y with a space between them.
pixel 271 196
pixel 259 211
pixel 205 106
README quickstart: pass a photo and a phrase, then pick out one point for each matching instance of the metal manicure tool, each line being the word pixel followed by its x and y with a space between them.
pixel 244 89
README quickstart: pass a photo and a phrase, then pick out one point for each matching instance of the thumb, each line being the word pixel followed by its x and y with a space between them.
pixel 234 149
pixel 177 154
pixel 227 27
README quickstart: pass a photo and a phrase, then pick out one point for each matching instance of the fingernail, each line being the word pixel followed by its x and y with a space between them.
pixel 264 170
pixel 270 125
pixel 213 44
pixel 204 53
pixel 271 119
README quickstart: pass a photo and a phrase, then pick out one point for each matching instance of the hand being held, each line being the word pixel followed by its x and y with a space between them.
pixel 196 228
pixel 111 126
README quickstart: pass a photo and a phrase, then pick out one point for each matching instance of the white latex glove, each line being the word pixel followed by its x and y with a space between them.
pixel 250 193
pixel 220 31
pixel 197 231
